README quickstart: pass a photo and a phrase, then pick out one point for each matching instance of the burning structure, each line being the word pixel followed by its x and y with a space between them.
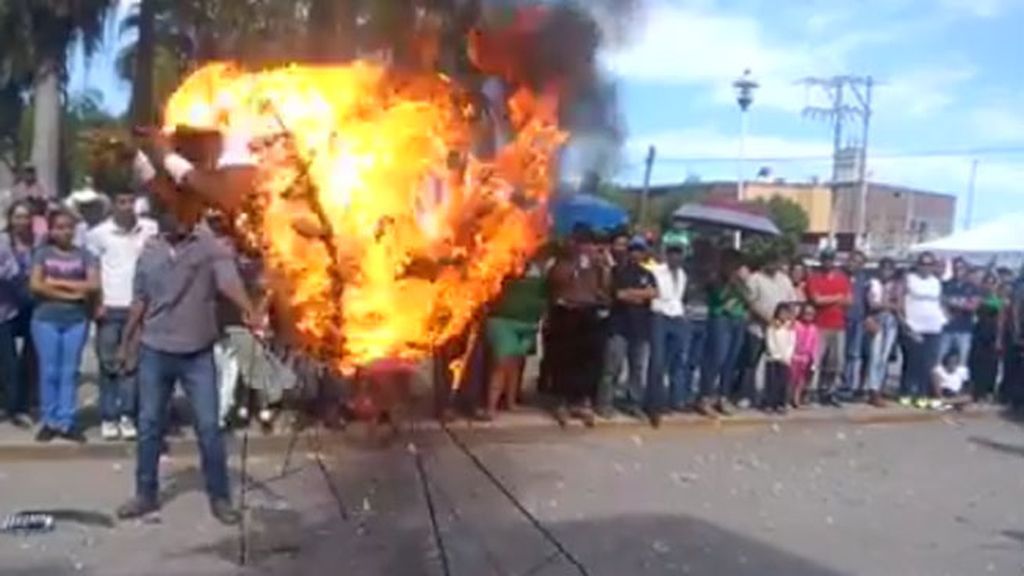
pixel 389 204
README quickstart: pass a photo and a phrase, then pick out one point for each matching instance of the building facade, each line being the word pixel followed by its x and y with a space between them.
pixel 896 217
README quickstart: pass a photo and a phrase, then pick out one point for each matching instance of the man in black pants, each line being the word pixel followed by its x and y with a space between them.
pixel 578 285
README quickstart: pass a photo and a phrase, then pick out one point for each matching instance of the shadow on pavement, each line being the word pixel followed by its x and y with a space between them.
pixel 664 544
pixel 46 570
pixel 1009 415
pixel 389 533
pixel 1001 447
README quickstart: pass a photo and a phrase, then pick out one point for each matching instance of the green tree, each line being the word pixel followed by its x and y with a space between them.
pixel 792 221
pixel 37 37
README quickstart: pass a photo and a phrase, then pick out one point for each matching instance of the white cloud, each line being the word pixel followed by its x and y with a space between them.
pixel 923 91
pixel 686 45
pixel 998 122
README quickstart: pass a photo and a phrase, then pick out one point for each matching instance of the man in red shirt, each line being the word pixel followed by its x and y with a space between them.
pixel 830 291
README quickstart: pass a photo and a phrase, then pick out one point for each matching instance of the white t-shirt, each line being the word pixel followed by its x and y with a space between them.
pixel 953 381
pixel 923 304
pixel 118 252
pixel 671 288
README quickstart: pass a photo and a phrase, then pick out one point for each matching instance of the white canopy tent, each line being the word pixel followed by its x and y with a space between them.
pixel 1001 239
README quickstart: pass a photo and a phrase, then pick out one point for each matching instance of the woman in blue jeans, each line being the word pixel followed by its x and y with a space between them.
pixel 63 280
pixel 17 367
pixel 727 329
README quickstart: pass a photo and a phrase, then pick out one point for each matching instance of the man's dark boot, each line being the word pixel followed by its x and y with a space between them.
pixel 225 513
pixel 137 507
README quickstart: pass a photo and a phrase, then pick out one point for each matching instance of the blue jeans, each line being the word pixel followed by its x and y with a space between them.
pixel 854 355
pixel 882 343
pixel 960 340
pixel 158 372
pixel 722 352
pixel 117 389
pixel 668 355
pixel 693 354
pixel 635 353
pixel 59 349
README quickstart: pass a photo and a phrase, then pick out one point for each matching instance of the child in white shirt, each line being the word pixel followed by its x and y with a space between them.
pixel 948 380
pixel 780 343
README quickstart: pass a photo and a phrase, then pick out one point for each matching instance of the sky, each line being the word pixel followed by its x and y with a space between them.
pixel 950 89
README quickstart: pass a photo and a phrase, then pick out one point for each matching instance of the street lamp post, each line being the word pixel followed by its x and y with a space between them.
pixel 745 87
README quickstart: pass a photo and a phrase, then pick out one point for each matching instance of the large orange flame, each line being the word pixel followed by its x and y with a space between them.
pixel 412 231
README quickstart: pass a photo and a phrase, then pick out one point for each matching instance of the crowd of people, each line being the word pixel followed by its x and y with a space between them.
pixel 621 324
pixel 688 325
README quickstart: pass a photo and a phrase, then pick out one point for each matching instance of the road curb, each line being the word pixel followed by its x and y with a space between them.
pixel 278 444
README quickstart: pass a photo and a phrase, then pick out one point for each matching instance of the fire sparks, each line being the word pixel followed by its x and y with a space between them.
pixel 382 222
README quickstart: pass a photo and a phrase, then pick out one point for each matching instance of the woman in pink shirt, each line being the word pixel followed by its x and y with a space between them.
pixel 803 355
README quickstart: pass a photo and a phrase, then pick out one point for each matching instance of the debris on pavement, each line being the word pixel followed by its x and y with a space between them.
pixel 27 523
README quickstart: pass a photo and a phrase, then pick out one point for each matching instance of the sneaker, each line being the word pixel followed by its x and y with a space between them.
pixel 586 415
pixel 225 513
pixel 74 435
pixel 922 403
pixel 110 431
pixel 265 416
pixel 127 429
pixel 137 508
pixel 875 399
pixel 722 409
pixel 562 416
pixel 655 419
pixel 830 401
pixel 46 434
pixel 22 421
pixel 906 401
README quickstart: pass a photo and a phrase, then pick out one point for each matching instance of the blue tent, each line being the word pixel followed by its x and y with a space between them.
pixel 568 210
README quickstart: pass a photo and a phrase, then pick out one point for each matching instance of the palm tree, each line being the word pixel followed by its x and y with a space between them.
pixel 36 38
pixel 142 88
pixel 155 62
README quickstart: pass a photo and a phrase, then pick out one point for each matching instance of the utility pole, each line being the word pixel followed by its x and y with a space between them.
pixel 969 212
pixel 838 113
pixel 645 193
pixel 864 98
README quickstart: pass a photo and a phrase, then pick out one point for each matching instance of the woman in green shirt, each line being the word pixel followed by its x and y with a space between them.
pixel 512 336
pixel 727 329
pixel 987 340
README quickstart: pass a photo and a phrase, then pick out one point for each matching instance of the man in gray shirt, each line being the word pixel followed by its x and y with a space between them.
pixel 173 327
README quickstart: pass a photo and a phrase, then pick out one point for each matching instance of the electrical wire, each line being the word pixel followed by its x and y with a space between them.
pixel 432 513
pixel 909 155
pixel 331 486
pixel 505 491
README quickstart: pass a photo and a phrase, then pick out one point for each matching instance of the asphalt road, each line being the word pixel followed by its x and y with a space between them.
pixel 822 499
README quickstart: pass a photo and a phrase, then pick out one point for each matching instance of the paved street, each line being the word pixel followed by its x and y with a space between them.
pixel 809 498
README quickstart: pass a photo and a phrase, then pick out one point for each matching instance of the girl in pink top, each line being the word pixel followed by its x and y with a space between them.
pixel 804 354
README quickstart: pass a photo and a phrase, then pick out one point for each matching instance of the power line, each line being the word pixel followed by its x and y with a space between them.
pixel 909 155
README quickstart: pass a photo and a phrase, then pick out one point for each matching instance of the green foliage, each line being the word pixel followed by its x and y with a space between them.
pixel 791 220
pixel 660 205
pixel 89 128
